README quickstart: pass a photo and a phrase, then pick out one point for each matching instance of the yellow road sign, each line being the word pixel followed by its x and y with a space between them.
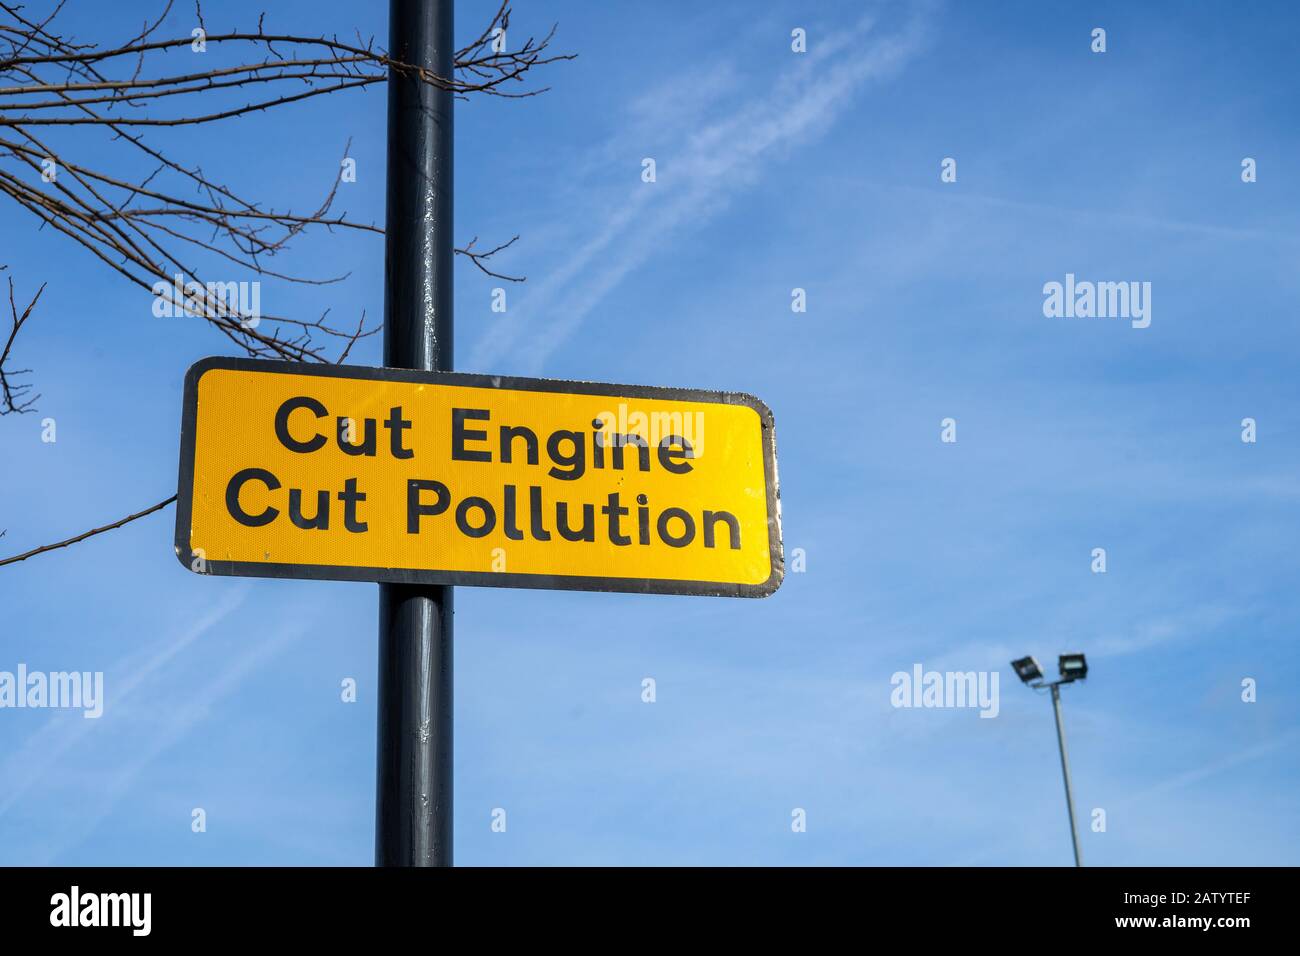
pixel 376 474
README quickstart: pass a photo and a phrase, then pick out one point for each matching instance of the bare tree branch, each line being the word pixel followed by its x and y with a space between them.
pixel 178 240
pixel 478 258
pixel 172 231
pixel 14 395
pixel 87 534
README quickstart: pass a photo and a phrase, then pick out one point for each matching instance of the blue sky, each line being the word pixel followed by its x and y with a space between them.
pixel 775 171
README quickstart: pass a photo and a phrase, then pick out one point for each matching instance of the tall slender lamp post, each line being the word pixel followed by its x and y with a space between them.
pixel 1072 667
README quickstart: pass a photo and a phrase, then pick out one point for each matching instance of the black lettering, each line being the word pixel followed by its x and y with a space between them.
pixel 350 496
pixel 459 434
pixel 711 518
pixel 598 444
pixel 395 423
pixel 688 527
pixel 508 515
pixel 667 452
pixel 509 433
pixel 415 510
pixel 282 424
pixel 588 530
pixel 642 450
pixel 643 519
pixel 462 517
pixel 615 513
pixel 367 446
pixel 232 497
pixel 320 520
pixel 574 461
pixel 535 513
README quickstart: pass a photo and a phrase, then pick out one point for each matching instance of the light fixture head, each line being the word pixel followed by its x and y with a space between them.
pixel 1073 666
pixel 1027 669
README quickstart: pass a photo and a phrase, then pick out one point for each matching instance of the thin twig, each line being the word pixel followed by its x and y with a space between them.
pixel 87 534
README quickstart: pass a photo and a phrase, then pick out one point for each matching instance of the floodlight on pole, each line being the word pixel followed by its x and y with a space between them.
pixel 1027 669
pixel 1072 667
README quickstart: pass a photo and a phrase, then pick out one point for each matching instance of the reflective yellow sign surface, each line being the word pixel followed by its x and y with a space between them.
pixel 391 475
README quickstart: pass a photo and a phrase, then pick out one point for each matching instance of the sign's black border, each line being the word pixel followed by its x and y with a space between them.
pixel 475 578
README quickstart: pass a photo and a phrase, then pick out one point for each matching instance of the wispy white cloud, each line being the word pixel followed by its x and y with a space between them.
pixel 1197 774
pixel 165 734
pixel 43 751
pixel 1195 622
pixel 718 147
pixel 1051 212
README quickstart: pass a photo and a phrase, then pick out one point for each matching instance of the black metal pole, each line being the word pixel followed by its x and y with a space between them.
pixel 413 801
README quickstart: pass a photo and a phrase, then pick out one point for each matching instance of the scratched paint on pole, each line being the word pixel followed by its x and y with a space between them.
pixel 367 474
